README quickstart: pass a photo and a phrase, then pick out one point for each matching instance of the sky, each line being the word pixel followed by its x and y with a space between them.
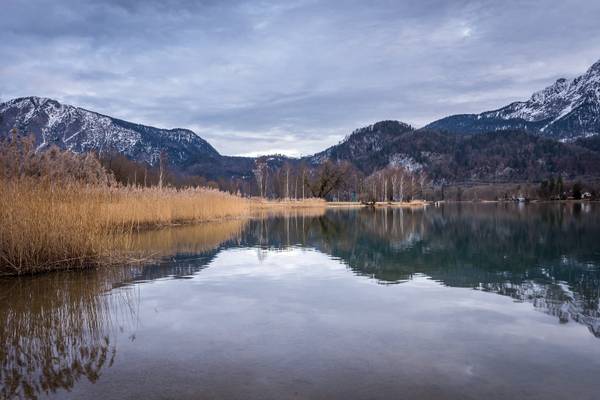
pixel 290 77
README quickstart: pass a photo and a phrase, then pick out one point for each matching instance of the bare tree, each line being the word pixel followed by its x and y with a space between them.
pixel 260 174
pixel 296 187
pixel 401 187
pixel 162 164
pixel 303 181
pixel 422 180
pixel 287 181
pixel 327 178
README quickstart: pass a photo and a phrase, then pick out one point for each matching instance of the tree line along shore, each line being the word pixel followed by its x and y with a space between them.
pixel 61 210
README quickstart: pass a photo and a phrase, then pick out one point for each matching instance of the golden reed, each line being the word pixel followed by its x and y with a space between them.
pixel 59 210
pixel 46 227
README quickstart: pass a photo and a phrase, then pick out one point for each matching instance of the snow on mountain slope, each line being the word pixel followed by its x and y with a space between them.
pixel 80 130
pixel 565 110
pixel 363 142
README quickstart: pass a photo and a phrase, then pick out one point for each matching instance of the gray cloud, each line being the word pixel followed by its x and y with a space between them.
pixel 291 76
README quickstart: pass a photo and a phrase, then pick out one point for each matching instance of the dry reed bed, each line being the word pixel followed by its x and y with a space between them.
pixel 47 227
pixel 137 208
pixel 62 210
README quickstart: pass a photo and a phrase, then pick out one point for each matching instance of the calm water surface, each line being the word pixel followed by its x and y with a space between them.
pixel 457 302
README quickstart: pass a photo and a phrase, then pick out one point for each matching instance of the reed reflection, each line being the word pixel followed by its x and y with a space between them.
pixel 59 328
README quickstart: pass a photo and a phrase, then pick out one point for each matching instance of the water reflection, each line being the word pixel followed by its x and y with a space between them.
pixel 547 255
pixel 60 329
pixel 182 240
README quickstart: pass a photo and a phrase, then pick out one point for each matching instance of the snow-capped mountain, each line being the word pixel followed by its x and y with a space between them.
pixel 566 110
pixel 80 130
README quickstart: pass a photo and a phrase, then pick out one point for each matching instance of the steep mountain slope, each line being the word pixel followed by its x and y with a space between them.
pixel 81 130
pixel 362 145
pixel 566 110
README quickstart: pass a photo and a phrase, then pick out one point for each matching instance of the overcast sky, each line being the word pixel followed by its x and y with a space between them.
pixel 293 76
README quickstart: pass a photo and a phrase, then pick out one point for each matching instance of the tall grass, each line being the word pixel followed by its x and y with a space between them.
pixel 60 210
pixel 45 226
pixel 135 208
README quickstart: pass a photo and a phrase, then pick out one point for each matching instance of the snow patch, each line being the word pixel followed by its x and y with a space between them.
pixel 401 160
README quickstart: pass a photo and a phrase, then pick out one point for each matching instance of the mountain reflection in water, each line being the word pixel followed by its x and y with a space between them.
pixel 546 254
pixel 56 329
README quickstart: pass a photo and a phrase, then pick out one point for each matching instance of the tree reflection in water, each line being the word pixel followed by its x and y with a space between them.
pixel 545 254
pixel 56 329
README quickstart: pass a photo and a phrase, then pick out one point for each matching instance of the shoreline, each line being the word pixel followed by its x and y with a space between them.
pixel 379 204
pixel 81 227
pixel 107 251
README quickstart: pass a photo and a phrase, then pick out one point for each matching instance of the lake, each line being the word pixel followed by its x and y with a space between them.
pixel 462 301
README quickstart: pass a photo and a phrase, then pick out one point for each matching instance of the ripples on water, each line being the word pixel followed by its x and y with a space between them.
pixel 457 301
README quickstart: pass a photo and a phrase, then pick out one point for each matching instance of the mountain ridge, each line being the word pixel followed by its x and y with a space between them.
pixel 571 106
pixel 565 110
pixel 80 130
pixel 510 155
pixel 444 157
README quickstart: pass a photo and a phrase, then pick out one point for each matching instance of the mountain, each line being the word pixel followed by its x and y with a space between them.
pixel 566 110
pixel 510 155
pixel 494 156
pixel 361 145
pixel 81 130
